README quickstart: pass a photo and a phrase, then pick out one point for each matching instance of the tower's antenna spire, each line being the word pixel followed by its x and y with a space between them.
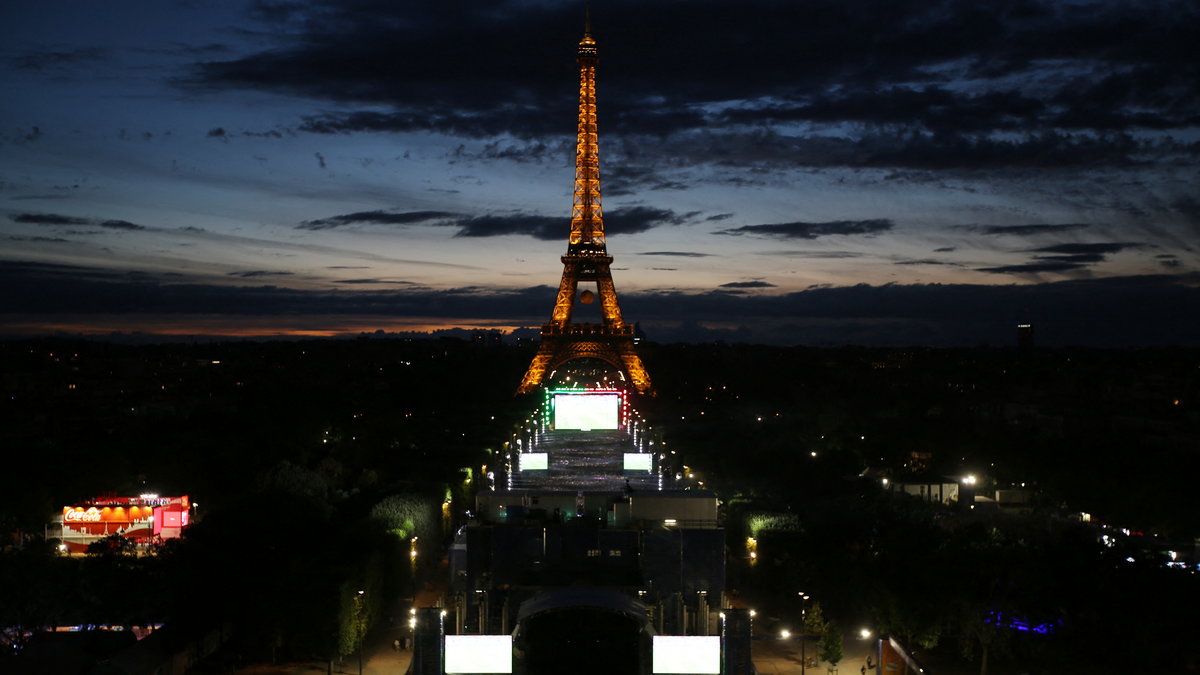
pixel 587 18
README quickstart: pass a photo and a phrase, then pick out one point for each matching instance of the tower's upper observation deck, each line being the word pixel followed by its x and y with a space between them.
pixel 587 47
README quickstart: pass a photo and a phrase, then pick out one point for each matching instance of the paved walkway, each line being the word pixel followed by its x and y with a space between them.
pixel 773 656
pixel 380 657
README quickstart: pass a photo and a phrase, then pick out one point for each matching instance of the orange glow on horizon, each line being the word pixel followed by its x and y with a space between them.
pixel 231 326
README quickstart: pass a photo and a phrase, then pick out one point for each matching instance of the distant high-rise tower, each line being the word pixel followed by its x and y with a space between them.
pixel 587 260
pixel 1025 336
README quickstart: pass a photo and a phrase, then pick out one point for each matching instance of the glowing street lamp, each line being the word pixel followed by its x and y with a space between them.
pixel 359 627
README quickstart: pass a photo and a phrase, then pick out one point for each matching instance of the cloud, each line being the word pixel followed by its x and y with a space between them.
pixel 1025 230
pixel 55 219
pixel 886 148
pixel 1034 267
pixel 1189 207
pixel 1082 258
pixel 938 109
pixel 678 254
pixel 814 255
pixel 304 247
pixel 248 274
pixel 1064 258
pixel 628 177
pixel 1088 249
pixel 927 261
pixel 48 288
pixel 944 249
pixel 627 220
pixel 374 218
pixel 802 230
pixel 1116 311
pixel 56 60
pixel 634 219
pixel 48 219
pixel 1021 93
pixel 119 225
pixel 933 107
pixel 38 197
pixel 43 240
pixel 513 120
pixel 748 284
pixel 547 228
pixel 394 282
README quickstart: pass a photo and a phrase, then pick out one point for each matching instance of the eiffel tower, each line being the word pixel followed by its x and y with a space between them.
pixel 587 259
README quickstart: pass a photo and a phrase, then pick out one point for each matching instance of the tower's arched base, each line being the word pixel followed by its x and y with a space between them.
pixel 583 632
pixel 587 341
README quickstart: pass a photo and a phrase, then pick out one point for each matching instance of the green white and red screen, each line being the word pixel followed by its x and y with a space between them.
pixel 587 411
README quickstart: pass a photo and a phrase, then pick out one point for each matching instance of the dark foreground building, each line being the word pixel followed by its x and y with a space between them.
pixel 582 557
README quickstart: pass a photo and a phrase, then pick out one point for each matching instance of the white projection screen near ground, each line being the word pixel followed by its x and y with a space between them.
pixel 638 461
pixel 478 654
pixel 687 654
pixel 587 411
pixel 533 461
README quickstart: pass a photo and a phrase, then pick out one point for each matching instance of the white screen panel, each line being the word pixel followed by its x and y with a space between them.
pixel 687 654
pixel 478 654
pixel 534 461
pixel 638 461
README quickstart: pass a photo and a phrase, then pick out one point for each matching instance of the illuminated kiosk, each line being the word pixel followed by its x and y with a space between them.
pixel 144 519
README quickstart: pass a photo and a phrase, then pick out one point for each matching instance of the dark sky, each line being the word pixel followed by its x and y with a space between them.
pixel 902 172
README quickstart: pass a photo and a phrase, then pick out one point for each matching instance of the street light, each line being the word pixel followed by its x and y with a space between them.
pixel 803 631
pixel 359 627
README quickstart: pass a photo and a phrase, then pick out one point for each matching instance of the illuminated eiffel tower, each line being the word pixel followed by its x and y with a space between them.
pixel 587 259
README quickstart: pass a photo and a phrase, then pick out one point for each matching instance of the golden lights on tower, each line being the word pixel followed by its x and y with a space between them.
pixel 587 260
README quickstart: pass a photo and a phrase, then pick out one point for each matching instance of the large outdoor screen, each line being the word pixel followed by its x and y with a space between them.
pixel 533 461
pixel 587 411
pixel 478 654
pixel 686 654
pixel 639 461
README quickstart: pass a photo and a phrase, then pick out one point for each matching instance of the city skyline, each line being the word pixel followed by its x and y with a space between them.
pixel 900 173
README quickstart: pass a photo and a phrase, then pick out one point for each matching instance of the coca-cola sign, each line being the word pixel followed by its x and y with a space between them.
pixel 89 516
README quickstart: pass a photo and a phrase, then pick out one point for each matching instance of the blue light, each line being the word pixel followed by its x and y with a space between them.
pixel 1021 624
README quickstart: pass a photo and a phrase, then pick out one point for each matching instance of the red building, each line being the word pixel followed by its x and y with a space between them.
pixel 143 520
